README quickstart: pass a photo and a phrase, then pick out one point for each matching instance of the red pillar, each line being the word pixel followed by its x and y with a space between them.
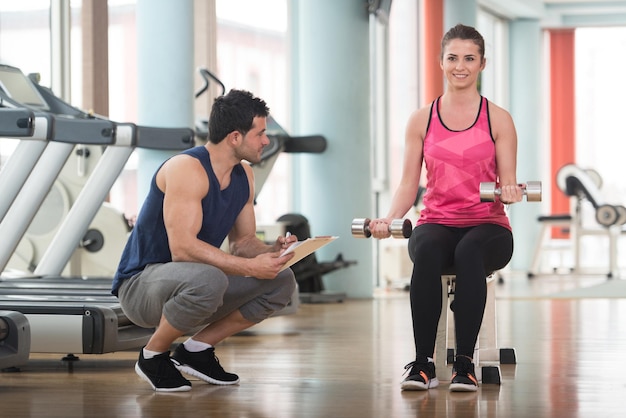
pixel 432 32
pixel 562 111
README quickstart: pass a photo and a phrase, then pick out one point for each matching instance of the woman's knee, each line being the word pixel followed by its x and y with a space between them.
pixel 427 244
pixel 492 245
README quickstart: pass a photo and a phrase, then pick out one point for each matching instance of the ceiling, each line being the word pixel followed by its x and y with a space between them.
pixel 562 13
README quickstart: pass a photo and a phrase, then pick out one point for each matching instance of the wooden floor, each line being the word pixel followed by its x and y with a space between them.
pixel 347 360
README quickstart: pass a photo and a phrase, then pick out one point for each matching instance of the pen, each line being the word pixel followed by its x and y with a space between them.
pixel 287 235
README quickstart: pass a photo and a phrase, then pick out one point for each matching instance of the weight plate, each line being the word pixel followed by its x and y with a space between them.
pixel 594 176
pixel 606 215
pixel 621 211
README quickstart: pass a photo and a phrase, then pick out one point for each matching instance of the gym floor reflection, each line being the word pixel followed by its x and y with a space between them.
pixel 347 360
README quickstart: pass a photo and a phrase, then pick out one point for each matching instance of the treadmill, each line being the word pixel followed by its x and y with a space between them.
pixel 70 315
pixel 14 327
pixel 14 339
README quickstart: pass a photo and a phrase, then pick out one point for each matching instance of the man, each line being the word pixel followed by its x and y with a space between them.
pixel 173 275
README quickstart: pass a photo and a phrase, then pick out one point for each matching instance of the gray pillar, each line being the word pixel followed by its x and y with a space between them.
pixel 330 59
pixel 165 75
pixel 459 11
pixel 526 110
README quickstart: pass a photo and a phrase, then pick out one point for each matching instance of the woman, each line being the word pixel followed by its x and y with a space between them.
pixel 464 140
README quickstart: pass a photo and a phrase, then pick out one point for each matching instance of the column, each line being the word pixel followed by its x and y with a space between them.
pixel 526 110
pixel 562 114
pixel 330 76
pixel 459 11
pixel 165 75
pixel 432 24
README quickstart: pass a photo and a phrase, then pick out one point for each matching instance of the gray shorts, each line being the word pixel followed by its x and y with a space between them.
pixel 191 295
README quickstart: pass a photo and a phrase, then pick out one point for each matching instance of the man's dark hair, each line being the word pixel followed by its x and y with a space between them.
pixel 234 112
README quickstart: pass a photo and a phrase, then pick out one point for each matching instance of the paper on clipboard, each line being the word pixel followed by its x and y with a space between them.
pixel 304 248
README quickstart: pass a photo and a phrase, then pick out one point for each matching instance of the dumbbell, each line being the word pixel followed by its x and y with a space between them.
pixel 489 191
pixel 399 228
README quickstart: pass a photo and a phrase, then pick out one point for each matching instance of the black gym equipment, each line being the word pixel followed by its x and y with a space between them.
pixel 309 271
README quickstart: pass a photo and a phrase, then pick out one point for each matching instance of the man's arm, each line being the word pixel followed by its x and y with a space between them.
pixel 242 238
pixel 182 213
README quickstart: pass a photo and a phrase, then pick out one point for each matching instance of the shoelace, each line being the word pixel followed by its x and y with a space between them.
pixel 166 367
pixel 217 361
pixel 408 367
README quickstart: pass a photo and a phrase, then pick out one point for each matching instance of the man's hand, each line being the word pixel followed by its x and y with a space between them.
pixel 282 243
pixel 268 265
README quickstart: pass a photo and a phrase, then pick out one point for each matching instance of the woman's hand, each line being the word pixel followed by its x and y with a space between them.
pixel 511 193
pixel 380 228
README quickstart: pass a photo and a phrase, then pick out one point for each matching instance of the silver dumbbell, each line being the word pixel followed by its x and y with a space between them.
pixel 489 191
pixel 399 228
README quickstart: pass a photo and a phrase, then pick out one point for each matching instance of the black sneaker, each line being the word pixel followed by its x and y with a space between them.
pixel 203 365
pixel 161 373
pixel 421 376
pixel 463 376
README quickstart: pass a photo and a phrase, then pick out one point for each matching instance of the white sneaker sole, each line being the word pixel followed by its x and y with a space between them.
pixel 193 372
pixel 415 385
pixel 461 387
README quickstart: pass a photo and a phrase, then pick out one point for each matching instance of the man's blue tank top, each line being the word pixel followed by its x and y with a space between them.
pixel 148 243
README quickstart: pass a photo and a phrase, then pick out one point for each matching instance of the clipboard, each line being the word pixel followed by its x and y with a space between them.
pixel 304 248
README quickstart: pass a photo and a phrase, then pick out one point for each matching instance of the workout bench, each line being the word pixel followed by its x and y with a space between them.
pixel 581 185
pixel 486 347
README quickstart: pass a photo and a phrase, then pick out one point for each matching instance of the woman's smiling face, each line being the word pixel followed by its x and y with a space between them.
pixel 462 62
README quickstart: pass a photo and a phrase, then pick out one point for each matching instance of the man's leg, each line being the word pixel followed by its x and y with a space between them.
pixel 246 302
pixel 154 364
pixel 159 298
pixel 163 337
pixel 218 331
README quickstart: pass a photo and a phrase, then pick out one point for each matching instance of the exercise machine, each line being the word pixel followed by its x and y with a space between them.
pixel 72 314
pixel 583 187
pixel 14 339
pixel 80 316
pixel 280 140
pixel 308 271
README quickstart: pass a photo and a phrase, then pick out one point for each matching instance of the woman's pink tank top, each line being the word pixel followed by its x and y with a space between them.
pixel 456 163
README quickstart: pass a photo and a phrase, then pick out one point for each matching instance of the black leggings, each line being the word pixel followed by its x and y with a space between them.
pixel 474 252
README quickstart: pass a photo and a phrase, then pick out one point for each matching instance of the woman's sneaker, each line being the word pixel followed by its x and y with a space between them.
pixel 204 365
pixel 161 373
pixel 463 376
pixel 421 376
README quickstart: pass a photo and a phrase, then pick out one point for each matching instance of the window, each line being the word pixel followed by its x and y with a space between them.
pixel 252 45
pixel 25 44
